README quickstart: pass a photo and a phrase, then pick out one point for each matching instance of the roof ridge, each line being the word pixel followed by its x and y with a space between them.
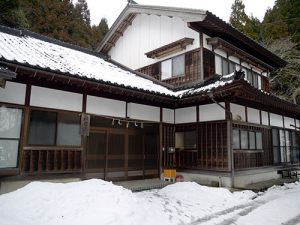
pixel 24 32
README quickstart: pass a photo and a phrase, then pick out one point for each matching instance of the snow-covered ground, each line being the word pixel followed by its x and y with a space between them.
pixel 99 202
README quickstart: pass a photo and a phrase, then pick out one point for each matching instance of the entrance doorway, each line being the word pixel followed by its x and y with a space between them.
pixel 117 151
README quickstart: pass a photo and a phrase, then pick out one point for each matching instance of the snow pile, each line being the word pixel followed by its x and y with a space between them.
pixel 99 202
pixel 94 202
pixel 87 202
pixel 278 205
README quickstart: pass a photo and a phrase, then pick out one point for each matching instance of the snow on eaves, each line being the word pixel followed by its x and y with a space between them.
pixel 48 55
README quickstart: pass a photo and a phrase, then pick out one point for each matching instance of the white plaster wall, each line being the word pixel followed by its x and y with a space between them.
pixel 276 120
pixel 253 115
pixel 297 123
pixel 265 118
pixel 55 99
pixel 143 112
pixel 13 93
pixel 221 52
pixel 211 112
pixel 105 106
pixel 257 70
pixel 246 65
pixel 238 111
pixel 234 59
pixel 205 45
pixel 147 33
pixel 288 122
pixel 185 115
pixel 168 116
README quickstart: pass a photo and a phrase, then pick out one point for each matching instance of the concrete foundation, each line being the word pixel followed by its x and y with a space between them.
pixel 247 177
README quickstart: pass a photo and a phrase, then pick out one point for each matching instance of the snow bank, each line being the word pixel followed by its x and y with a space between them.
pixel 94 202
pixel 279 205
pixel 86 202
pixel 99 202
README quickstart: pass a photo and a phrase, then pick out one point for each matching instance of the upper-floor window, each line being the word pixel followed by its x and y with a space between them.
pixel 225 66
pixel 253 77
pixel 172 67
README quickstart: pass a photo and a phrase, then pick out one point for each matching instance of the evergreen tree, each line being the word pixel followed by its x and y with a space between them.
pixel 11 14
pixel 238 17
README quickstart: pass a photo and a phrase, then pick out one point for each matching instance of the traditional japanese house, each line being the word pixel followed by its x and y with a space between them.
pixel 68 112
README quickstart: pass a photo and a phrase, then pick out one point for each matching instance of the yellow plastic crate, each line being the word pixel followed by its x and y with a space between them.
pixel 169 174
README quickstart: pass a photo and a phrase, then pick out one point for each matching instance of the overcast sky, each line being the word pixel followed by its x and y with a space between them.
pixel 110 9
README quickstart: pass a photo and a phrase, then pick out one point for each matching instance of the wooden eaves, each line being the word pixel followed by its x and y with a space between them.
pixel 170 48
pixel 219 43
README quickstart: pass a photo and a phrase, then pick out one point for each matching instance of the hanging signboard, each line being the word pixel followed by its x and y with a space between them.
pixel 85 124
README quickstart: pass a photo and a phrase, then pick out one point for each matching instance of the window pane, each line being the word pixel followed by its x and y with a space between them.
pixel 276 152
pixel 68 129
pixel 42 128
pixel 275 137
pixel 179 139
pixel 236 139
pixel 224 66
pixel 249 76
pixel 259 140
pixel 178 65
pixel 218 64
pixel 231 67
pixel 166 69
pixel 282 137
pixel 255 80
pixel 251 140
pixel 190 139
pixel 10 122
pixel 244 139
pixel 8 153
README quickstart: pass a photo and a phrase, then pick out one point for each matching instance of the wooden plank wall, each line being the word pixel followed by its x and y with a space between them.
pixel 211 151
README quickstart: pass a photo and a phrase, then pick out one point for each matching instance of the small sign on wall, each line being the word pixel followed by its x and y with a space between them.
pixel 85 124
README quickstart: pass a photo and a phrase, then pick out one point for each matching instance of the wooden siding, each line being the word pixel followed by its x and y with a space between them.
pixel 265 86
pixel 208 63
pixel 244 159
pixel 211 151
pixel 192 70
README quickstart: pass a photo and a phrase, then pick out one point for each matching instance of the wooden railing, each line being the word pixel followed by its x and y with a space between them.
pixel 249 159
pixel 51 160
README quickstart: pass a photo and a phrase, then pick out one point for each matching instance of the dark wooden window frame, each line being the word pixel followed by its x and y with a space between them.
pixel 55 145
pixel 172 58
pixel 248 141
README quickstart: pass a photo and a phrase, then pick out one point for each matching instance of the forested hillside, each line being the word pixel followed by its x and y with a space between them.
pixel 279 32
pixel 60 19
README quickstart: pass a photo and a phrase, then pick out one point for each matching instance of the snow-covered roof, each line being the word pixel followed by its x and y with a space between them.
pixel 31 51
pixel 36 51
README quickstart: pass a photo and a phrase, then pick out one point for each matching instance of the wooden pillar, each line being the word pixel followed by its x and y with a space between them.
pixel 25 128
pixel 229 141
pixel 160 142
pixel 83 138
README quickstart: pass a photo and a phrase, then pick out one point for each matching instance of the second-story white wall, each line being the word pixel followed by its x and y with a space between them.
pixel 147 33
